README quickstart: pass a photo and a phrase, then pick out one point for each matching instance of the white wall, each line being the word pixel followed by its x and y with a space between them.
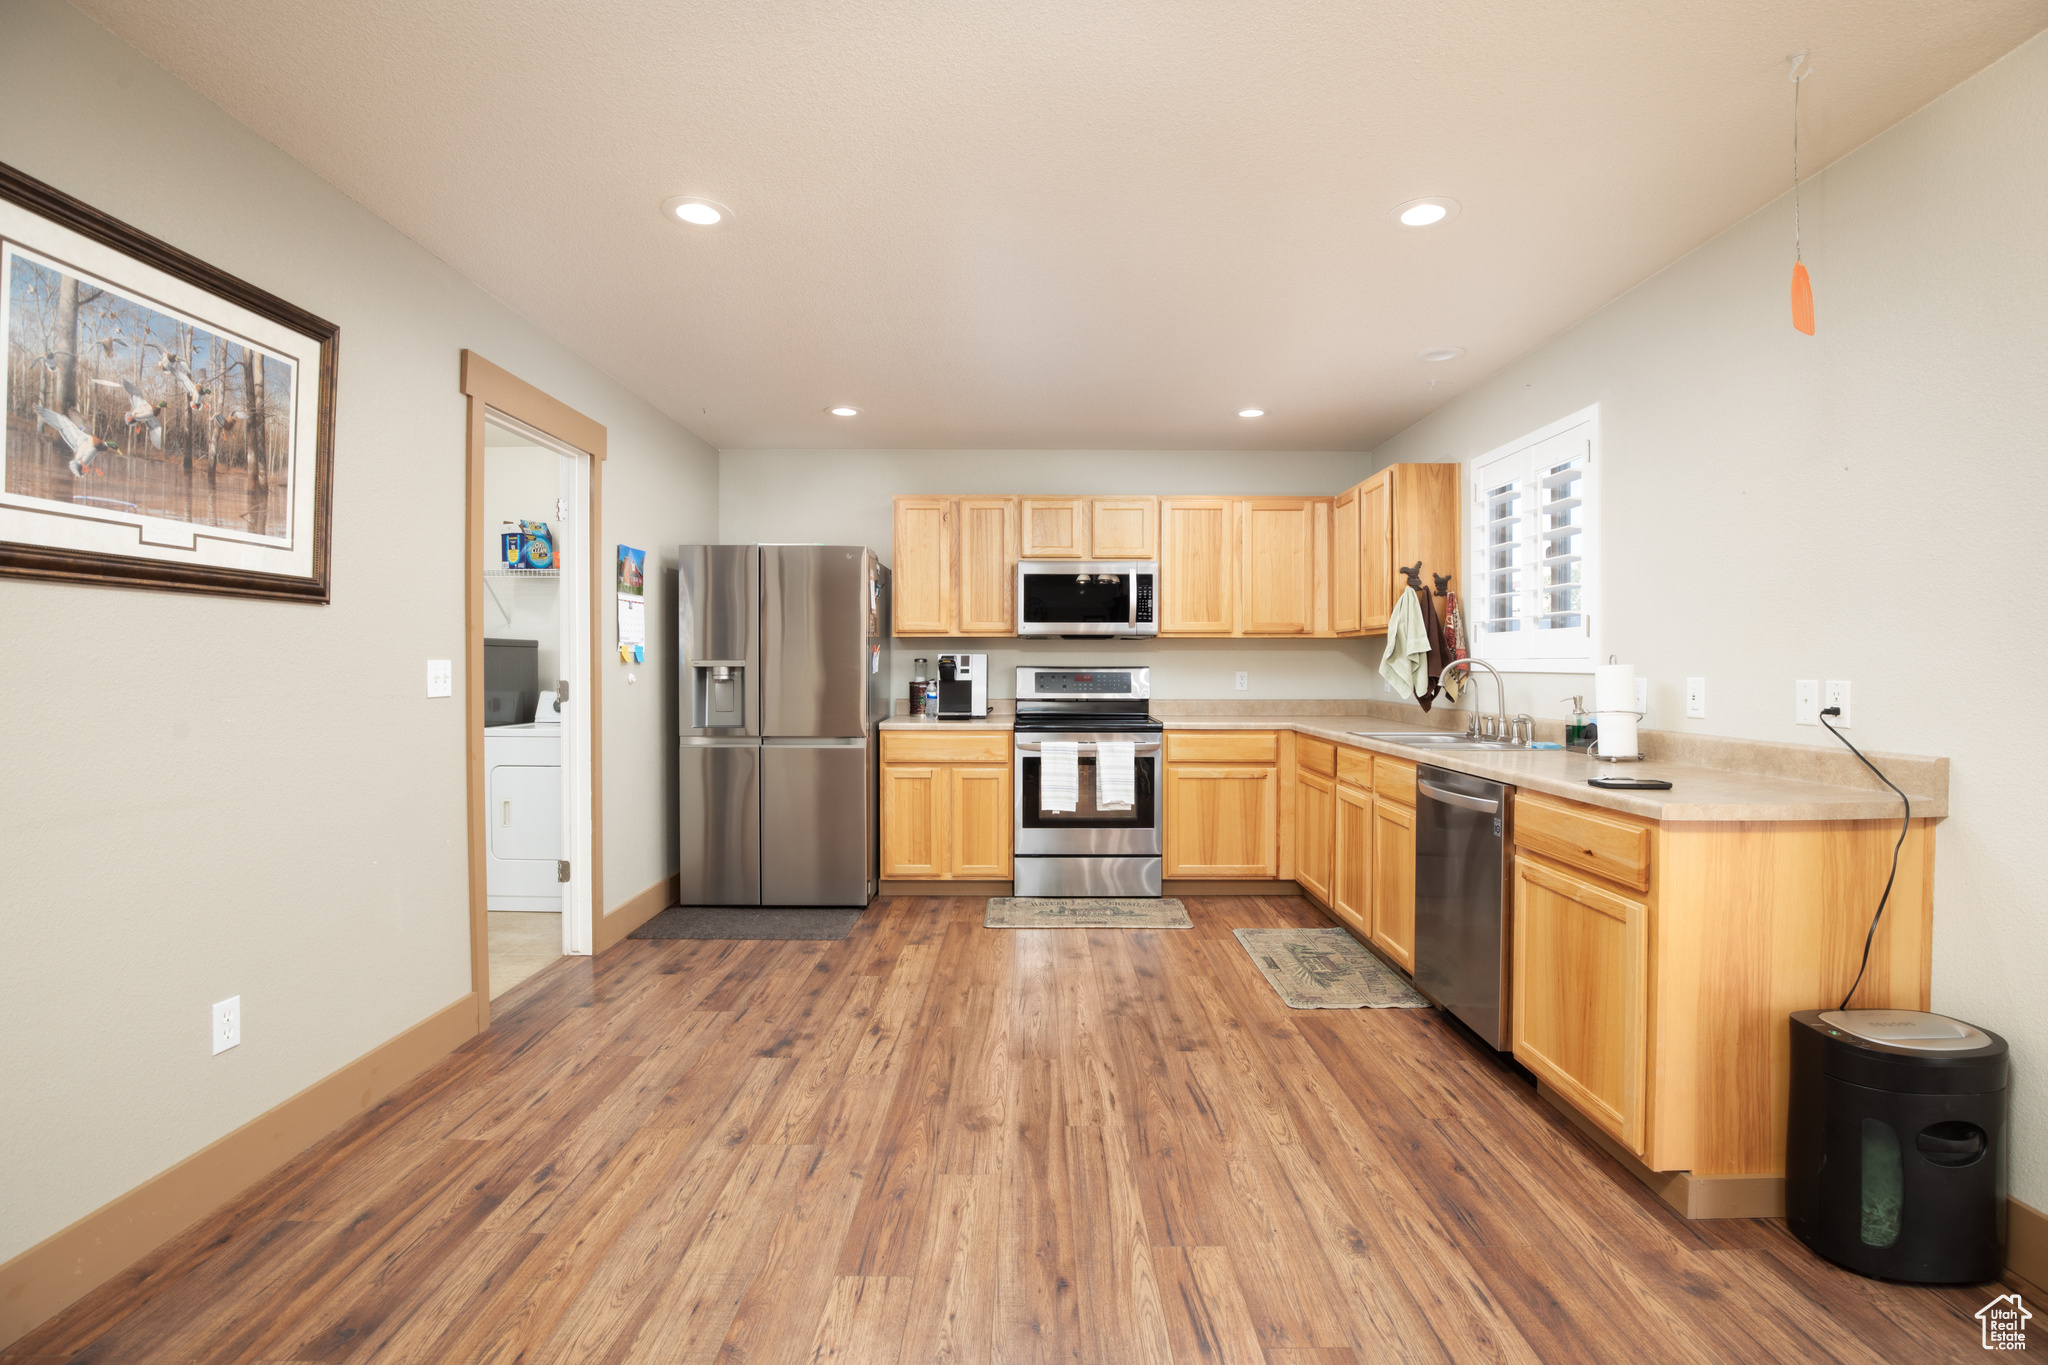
pixel 1864 504
pixel 836 496
pixel 207 797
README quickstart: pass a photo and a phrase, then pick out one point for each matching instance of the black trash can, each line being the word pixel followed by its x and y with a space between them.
pixel 1895 1144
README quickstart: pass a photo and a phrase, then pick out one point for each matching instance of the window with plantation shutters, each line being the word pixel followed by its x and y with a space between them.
pixel 1533 556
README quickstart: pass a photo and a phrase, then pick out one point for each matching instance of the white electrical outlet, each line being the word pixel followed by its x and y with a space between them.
pixel 1244 682
pixel 1643 697
pixel 440 677
pixel 227 1024
pixel 1838 695
pixel 1806 701
pixel 1696 698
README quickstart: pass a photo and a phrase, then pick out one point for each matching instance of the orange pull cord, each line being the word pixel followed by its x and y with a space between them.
pixel 1802 284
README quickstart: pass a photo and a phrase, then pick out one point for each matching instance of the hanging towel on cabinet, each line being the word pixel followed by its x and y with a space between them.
pixel 1405 661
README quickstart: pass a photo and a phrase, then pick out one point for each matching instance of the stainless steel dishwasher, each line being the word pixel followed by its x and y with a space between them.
pixel 1462 902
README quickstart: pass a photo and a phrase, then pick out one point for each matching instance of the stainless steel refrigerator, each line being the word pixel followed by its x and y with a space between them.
pixel 783 680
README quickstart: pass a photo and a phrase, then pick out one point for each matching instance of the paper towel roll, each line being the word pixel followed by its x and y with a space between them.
pixel 1614 705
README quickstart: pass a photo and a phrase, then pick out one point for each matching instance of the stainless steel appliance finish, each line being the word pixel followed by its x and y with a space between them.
pixel 963 685
pixel 1113 597
pixel 1088 877
pixel 783 680
pixel 1462 902
pixel 1087 851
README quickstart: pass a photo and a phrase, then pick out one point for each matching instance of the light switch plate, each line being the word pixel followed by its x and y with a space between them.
pixel 1837 694
pixel 227 1024
pixel 440 677
pixel 1806 701
pixel 1696 698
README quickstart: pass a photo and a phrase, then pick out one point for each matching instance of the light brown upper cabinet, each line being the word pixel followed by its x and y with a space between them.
pixel 1197 566
pixel 1123 528
pixel 1404 513
pixel 922 580
pixel 1277 543
pixel 1055 528
pixel 988 566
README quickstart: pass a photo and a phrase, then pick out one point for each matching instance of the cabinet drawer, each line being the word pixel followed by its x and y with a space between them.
pixel 1318 756
pixel 1222 746
pixel 1393 779
pixel 1596 841
pixel 939 746
pixel 1355 767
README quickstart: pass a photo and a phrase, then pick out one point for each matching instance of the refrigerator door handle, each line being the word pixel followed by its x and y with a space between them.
pixel 720 742
pixel 840 743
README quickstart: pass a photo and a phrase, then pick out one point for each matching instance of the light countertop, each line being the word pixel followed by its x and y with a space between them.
pixel 1697 793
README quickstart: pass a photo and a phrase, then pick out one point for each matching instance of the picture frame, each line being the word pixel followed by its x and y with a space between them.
pixel 167 425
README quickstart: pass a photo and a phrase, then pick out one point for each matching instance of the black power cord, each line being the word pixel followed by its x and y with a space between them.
pixel 1905 823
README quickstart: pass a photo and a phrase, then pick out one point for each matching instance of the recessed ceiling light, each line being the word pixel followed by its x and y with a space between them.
pixel 1251 412
pixel 695 211
pixel 1437 354
pixel 844 412
pixel 1426 212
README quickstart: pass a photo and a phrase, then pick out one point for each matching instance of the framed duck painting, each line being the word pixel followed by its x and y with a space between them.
pixel 168 425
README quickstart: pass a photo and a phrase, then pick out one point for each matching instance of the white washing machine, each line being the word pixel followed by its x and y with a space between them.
pixel 523 777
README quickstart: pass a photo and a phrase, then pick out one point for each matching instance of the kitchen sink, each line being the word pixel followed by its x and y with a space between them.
pixel 1436 739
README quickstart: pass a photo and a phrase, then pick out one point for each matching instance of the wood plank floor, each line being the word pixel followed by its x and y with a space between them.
pixel 938 1142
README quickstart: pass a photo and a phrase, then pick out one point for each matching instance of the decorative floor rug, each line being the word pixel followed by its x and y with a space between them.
pixel 1326 969
pixel 743 922
pixel 1085 912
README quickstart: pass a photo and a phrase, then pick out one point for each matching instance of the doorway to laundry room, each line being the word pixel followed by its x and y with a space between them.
pixel 534 572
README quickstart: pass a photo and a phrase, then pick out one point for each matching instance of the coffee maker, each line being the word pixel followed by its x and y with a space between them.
pixel 963 686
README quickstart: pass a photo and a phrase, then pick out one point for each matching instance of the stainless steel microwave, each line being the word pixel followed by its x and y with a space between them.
pixel 1087 597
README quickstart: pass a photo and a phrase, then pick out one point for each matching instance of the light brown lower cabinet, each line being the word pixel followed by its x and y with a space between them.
pixel 1351 883
pixel 1315 833
pixel 1393 881
pixel 1221 822
pixel 945 820
pixel 1582 994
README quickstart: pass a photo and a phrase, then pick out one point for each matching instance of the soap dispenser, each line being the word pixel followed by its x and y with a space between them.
pixel 1581 730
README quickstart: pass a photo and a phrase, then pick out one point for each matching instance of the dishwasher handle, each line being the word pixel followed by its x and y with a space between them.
pixel 1478 803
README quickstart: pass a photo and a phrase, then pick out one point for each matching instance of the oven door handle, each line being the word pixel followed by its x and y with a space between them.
pixel 1089 746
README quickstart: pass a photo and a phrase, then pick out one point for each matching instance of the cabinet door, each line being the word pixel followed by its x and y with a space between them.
pixel 1351 880
pixel 1345 617
pixel 1276 595
pixel 913 821
pixel 1315 833
pixel 1423 517
pixel 921 574
pixel 1055 528
pixel 1393 881
pixel 988 566
pixel 1123 528
pixel 1375 552
pixel 979 822
pixel 1197 566
pixel 1221 822
pixel 1581 994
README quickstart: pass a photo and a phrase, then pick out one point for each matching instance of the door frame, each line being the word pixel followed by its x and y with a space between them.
pixel 489 388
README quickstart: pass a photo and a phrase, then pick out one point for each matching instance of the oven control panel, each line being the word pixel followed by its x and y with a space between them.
pixel 1080 683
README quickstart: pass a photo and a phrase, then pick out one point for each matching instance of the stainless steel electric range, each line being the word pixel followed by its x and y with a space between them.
pixel 1086 851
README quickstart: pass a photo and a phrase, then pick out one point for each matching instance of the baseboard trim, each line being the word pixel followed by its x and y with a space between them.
pixel 940 887
pixel 623 919
pixel 1689 1195
pixel 2026 1243
pixel 67 1265
pixel 1191 886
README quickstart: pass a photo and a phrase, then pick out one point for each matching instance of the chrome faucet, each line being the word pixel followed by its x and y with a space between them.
pixel 1505 730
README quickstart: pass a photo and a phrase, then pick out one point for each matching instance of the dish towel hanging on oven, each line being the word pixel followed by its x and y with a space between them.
pixel 1116 778
pixel 1059 775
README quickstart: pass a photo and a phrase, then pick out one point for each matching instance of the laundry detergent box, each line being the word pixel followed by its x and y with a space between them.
pixel 537 546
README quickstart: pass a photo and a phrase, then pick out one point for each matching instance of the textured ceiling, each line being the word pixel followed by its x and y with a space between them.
pixel 1062 223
